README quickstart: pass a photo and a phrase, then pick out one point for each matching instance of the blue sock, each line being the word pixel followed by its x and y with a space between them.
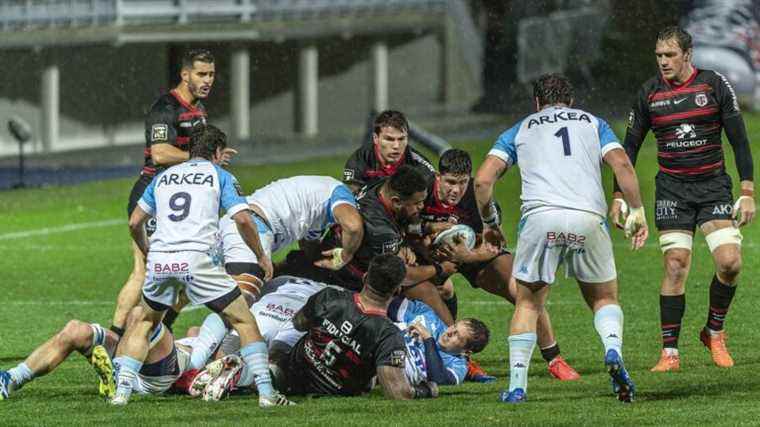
pixel 608 322
pixel 20 375
pixel 256 367
pixel 520 350
pixel 126 369
pixel 211 335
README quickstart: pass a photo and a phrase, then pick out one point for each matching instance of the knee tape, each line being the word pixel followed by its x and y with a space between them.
pixel 723 236
pixel 676 240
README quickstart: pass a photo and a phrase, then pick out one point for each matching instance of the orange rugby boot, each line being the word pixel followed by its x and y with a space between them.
pixel 561 370
pixel 668 362
pixel 717 346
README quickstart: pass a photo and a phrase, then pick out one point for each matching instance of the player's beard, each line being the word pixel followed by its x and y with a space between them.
pixel 197 92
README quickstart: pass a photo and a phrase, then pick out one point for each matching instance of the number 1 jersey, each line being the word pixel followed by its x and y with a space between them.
pixel 559 151
pixel 186 200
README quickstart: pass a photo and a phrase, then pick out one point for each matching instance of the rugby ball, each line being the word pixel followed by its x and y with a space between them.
pixel 464 232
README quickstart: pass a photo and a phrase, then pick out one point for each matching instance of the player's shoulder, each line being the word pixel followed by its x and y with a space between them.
pixel 365 153
pixel 651 85
pixel 165 102
pixel 712 78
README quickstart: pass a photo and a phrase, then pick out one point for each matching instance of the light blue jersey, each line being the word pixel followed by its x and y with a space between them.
pixel 410 312
pixel 186 200
pixel 559 151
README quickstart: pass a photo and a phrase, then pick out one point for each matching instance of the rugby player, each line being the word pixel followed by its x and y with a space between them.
pixel 451 200
pixel 389 150
pixel 350 339
pixel 560 151
pixel 186 199
pixel 291 210
pixel 167 132
pixel 687 109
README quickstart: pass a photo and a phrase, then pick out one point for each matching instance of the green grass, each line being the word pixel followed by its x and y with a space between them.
pixel 49 279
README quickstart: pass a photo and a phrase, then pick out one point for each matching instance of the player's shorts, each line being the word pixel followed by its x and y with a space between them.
pixel 684 205
pixel 548 238
pixel 233 246
pixel 134 196
pixel 204 282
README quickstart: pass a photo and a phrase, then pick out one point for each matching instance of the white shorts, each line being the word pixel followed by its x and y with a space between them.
pixel 168 273
pixel 274 317
pixel 234 248
pixel 548 238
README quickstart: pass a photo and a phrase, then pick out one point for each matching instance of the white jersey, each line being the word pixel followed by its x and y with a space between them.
pixel 300 207
pixel 186 200
pixel 559 151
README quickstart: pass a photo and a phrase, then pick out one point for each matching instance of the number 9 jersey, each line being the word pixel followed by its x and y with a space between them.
pixel 559 151
pixel 186 200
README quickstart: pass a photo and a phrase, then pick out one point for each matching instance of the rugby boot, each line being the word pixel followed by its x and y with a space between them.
pixel 276 399
pixel 515 396
pixel 224 382
pixel 561 370
pixel 101 362
pixel 208 375
pixel 622 384
pixel 668 362
pixel 717 346
pixel 476 373
pixel 5 385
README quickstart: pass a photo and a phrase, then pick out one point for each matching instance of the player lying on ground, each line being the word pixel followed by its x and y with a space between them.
pixel 186 200
pixel 488 266
pixel 165 361
pixel 560 151
pixel 290 210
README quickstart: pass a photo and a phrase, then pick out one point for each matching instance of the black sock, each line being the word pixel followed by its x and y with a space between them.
pixel 672 308
pixel 452 305
pixel 550 353
pixel 169 318
pixel 720 299
pixel 117 330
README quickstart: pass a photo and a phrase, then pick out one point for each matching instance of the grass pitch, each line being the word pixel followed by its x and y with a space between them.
pixel 65 253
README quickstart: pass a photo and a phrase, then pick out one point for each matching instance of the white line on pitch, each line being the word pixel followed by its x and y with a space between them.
pixel 62 229
pixel 82 302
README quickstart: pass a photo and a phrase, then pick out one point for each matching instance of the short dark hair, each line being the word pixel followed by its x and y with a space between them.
pixel 406 181
pixel 553 89
pixel 205 140
pixel 480 335
pixel 682 37
pixel 385 274
pixel 193 55
pixel 455 161
pixel 390 118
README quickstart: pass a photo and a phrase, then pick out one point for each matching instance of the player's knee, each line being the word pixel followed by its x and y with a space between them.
pixel 676 267
pixel 136 315
pixel 75 333
pixel 729 267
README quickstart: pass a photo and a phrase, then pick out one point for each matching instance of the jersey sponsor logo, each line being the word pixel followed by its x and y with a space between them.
pixel 725 209
pixel 666 209
pixel 197 178
pixel 175 267
pixel 159 132
pixel 686 130
pixel 661 103
pixel 678 101
pixel 686 144
pixel 348 174
pixel 398 358
pixel 730 90
pixel 631 118
pixel 391 247
pixel 341 333
pixel 700 100
pixel 559 116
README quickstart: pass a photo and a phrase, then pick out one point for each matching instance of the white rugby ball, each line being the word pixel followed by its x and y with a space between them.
pixel 463 231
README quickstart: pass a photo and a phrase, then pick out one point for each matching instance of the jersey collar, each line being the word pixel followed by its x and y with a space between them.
pixel 184 103
pixel 688 81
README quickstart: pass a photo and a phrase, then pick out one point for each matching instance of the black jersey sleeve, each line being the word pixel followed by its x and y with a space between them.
pixel 391 350
pixel 733 124
pixel 355 168
pixel 316 307
pixel 160 125
pixel 724 92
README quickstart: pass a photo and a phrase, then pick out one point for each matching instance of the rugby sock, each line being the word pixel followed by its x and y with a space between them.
pixel 20 375
pixel 169 318
pixel 520 350
pixel 117 330
pixel 127 369
pixel 608 322
pixel 549 353
pixel 211 334
pixel 720 299
pixel 452 305
pixel 672 308
pixel 256 368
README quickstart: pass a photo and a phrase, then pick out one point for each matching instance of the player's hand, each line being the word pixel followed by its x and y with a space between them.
pixel 436 227
pixel 407 254
pixel 334 259
pixel 636 228
pixel 618 212
pixel 418 330
pixel 227 155
pixel 266 264
pixel 744 210
pixel 458 252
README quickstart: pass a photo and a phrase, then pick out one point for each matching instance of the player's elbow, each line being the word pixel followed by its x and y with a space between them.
pixel 352 223
pixel 158 157
pixel 243 219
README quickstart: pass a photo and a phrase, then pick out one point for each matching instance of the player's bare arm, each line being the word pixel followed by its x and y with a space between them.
pixel 136 229
pixel 394 383
pixel 164 154
pixel 635 226
pixel 352 233
pixel 250 236
pixel 485 179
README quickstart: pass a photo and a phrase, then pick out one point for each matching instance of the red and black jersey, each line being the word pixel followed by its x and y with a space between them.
pixel 687 121
pixel 464 212
pixel 365 166
pixel 170 121
pixel 345 344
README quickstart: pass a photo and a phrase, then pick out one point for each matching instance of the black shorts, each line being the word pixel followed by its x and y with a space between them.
pixel 684 205
pixel 134 196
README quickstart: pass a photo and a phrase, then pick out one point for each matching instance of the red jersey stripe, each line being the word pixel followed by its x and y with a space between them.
pixel 678 92
pixel 691 151
pixel 661 120
pixel 693 170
